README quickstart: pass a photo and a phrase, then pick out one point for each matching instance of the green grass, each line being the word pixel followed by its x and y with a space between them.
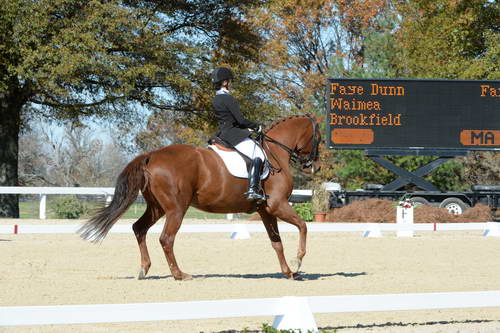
pixel 30 210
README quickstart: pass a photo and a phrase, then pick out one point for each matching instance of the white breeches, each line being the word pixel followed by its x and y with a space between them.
pixel 250 149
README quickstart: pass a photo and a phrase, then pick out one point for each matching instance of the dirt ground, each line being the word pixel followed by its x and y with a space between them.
pixel 62 270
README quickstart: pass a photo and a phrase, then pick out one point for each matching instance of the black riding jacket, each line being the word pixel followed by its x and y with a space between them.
pixel 233 126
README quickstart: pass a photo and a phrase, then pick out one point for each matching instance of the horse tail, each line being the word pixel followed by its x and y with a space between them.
pixel 128 184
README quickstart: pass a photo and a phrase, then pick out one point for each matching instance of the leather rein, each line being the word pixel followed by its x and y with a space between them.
pixel 305 162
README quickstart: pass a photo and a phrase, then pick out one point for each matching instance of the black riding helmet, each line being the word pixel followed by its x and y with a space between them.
pixel 220 74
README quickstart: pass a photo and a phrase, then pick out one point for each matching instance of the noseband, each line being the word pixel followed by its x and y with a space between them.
pixel 305 162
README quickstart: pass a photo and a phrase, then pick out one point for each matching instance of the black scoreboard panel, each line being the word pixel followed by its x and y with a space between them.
pixel 413 114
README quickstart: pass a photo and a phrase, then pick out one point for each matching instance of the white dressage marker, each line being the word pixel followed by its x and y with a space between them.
pixel 372 230
pixel 240 232
pixel 296 315
pixel 404 217
pixel 492 229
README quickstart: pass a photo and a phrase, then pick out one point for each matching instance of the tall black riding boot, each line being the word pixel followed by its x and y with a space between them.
pixel 254 190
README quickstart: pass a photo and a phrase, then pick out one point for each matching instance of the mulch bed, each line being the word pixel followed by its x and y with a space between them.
pixel 377 210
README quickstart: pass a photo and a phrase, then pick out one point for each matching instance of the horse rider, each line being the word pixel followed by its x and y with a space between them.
pixel 234 129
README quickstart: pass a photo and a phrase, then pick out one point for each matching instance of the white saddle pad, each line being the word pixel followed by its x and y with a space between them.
pixel 235 164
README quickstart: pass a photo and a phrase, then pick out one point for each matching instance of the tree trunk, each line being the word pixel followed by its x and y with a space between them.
pixel 10 111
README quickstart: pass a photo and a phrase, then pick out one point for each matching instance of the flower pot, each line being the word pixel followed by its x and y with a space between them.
pixel 319 217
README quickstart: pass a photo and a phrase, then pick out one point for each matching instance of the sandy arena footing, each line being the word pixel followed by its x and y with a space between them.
pixel 64 270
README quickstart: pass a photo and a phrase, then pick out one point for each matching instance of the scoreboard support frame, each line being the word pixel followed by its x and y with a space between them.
pixel 412 177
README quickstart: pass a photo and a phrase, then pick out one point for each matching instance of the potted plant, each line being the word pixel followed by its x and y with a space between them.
pixel 320 202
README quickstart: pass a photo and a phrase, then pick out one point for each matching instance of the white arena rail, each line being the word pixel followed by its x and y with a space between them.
pixel 243 231
pixel 107 192
pixel 104 191
pixel 289 312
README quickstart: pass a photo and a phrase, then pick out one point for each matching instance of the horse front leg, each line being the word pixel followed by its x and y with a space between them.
pixel 271 225
pixel 286 213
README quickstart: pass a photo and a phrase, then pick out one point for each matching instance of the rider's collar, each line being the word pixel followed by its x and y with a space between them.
pixel 222 91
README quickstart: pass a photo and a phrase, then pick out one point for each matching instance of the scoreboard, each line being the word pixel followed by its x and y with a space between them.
pixel 413 114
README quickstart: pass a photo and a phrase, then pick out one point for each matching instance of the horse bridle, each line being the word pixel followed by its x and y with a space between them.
pixel 305 162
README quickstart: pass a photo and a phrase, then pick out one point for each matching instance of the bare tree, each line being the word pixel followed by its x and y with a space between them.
pixel 32 159
pixel 73 158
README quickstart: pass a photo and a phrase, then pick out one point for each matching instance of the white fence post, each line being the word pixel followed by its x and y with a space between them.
pixel 43 206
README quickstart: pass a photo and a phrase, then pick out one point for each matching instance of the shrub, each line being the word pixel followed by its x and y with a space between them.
pixel 304 211
pixel 320 200
pixel 69 207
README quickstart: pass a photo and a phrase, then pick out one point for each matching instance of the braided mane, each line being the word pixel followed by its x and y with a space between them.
pixel 281 120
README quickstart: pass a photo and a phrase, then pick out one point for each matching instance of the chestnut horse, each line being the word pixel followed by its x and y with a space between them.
pixel 178 176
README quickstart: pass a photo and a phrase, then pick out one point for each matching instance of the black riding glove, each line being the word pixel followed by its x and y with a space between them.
pixel 257 128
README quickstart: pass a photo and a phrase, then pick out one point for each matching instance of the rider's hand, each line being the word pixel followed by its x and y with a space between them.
pixel 257 128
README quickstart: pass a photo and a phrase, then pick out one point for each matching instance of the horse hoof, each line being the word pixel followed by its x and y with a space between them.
pixel 295 264
pixel 183 277
pixel 142 274
pixel 186 277
pixel 296 277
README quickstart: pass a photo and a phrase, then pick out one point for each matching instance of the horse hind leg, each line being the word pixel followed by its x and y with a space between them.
pixel 174 200
pixel 141 227
pixel 172 225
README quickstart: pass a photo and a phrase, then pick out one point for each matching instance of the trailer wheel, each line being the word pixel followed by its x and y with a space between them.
pixel 455 206
pixel 419 201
